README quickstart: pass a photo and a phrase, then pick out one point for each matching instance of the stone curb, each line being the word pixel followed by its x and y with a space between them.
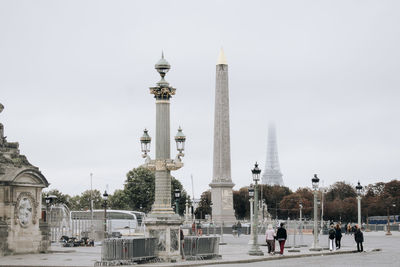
pixel 218 262
pixel 214 262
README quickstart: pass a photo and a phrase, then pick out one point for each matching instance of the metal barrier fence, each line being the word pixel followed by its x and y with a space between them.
pixel 200 247
pixel 117 251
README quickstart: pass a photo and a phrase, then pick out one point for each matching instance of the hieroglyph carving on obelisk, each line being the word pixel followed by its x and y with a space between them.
pixel 221 185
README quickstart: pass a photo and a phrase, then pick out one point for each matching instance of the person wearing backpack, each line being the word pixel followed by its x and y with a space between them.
pixel 359 238
pixel 332 235
pixel 338 235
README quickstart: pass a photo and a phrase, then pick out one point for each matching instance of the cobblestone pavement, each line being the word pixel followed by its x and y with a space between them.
pixel 389 256
pixel 236 250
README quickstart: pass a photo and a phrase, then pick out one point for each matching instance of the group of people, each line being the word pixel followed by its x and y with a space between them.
pixel 335 236
pixel 280 235
pixel 237 229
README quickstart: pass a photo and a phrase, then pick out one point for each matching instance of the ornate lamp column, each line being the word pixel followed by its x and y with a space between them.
pixel 251 200
pixel 359 191
pixel 162 222
pixel 315 246
pixel 105 198
pixel 177 193
pixel 255 249
pixel 388 223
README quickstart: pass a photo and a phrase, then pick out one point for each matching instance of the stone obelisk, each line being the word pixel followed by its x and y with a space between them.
pixel 221 185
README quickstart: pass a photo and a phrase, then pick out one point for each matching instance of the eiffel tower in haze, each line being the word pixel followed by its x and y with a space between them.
pixel 272 174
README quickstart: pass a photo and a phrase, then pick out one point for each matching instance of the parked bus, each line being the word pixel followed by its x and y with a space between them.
pixel 118 221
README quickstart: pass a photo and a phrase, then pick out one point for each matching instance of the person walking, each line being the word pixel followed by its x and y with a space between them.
pixel 349 229
pixel 359 238
pixel 182 239
pixel 338 235
pixel 234 230
pixel 194 228
pixel 239 228
pixel 270 239
pixel 331 236
pixel 281 236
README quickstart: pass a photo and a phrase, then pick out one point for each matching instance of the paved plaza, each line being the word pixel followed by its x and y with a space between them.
pixel 235 254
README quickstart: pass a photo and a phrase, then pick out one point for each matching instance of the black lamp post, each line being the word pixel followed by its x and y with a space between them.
pixel 315 182
pixel 49 201
pixel 105 198
pixel 359 191
pixel 251 200
pixel 255 249
pixel 177 197
pixel 388 219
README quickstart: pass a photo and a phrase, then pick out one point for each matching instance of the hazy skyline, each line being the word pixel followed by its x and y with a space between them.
pixel 75 78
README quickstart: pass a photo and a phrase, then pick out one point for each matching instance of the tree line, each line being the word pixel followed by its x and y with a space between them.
pixel 339 200
pixel 137 194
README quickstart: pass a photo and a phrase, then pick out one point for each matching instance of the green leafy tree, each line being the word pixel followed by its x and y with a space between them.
pixel 340 190
pixel 273 195
pixel 61 198
pixel 138 192
pixel 139 189
pixel 289 205
pixel 204 205
pixel 85 198
pixel 241 203
pixel 184 196
pixel 118 200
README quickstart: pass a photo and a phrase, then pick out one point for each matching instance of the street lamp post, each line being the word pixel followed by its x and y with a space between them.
pixel 301 224
pixel 388 222
pixel 251 200
pixel 255 249
pixel 322 208
pixel 49 201
pixel 162 222
pixel 394 214
pixel 359 191
pixel 388 219
pixel 105 198
pixel 177 197
pixel 315 246
pixel 187 211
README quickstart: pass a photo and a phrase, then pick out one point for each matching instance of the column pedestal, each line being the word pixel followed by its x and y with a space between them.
pixel 166 230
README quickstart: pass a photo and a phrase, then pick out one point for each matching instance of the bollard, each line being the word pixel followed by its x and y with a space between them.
pixel 222 235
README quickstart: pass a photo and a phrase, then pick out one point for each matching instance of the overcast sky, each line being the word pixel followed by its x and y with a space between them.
pixel 75 78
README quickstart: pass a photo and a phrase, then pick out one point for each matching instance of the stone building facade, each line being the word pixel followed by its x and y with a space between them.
pixel 21 184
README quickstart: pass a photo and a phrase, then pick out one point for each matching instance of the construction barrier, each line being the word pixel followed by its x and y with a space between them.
pixel 118 251
pixel 201 247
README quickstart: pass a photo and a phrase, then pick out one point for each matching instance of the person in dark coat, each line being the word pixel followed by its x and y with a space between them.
pixel 281 236
pixel 331 236
pixel 338 235
pixel 182 239
pixel 359 238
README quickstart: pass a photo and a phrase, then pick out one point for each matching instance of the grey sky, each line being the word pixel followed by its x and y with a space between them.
pixel 74 79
